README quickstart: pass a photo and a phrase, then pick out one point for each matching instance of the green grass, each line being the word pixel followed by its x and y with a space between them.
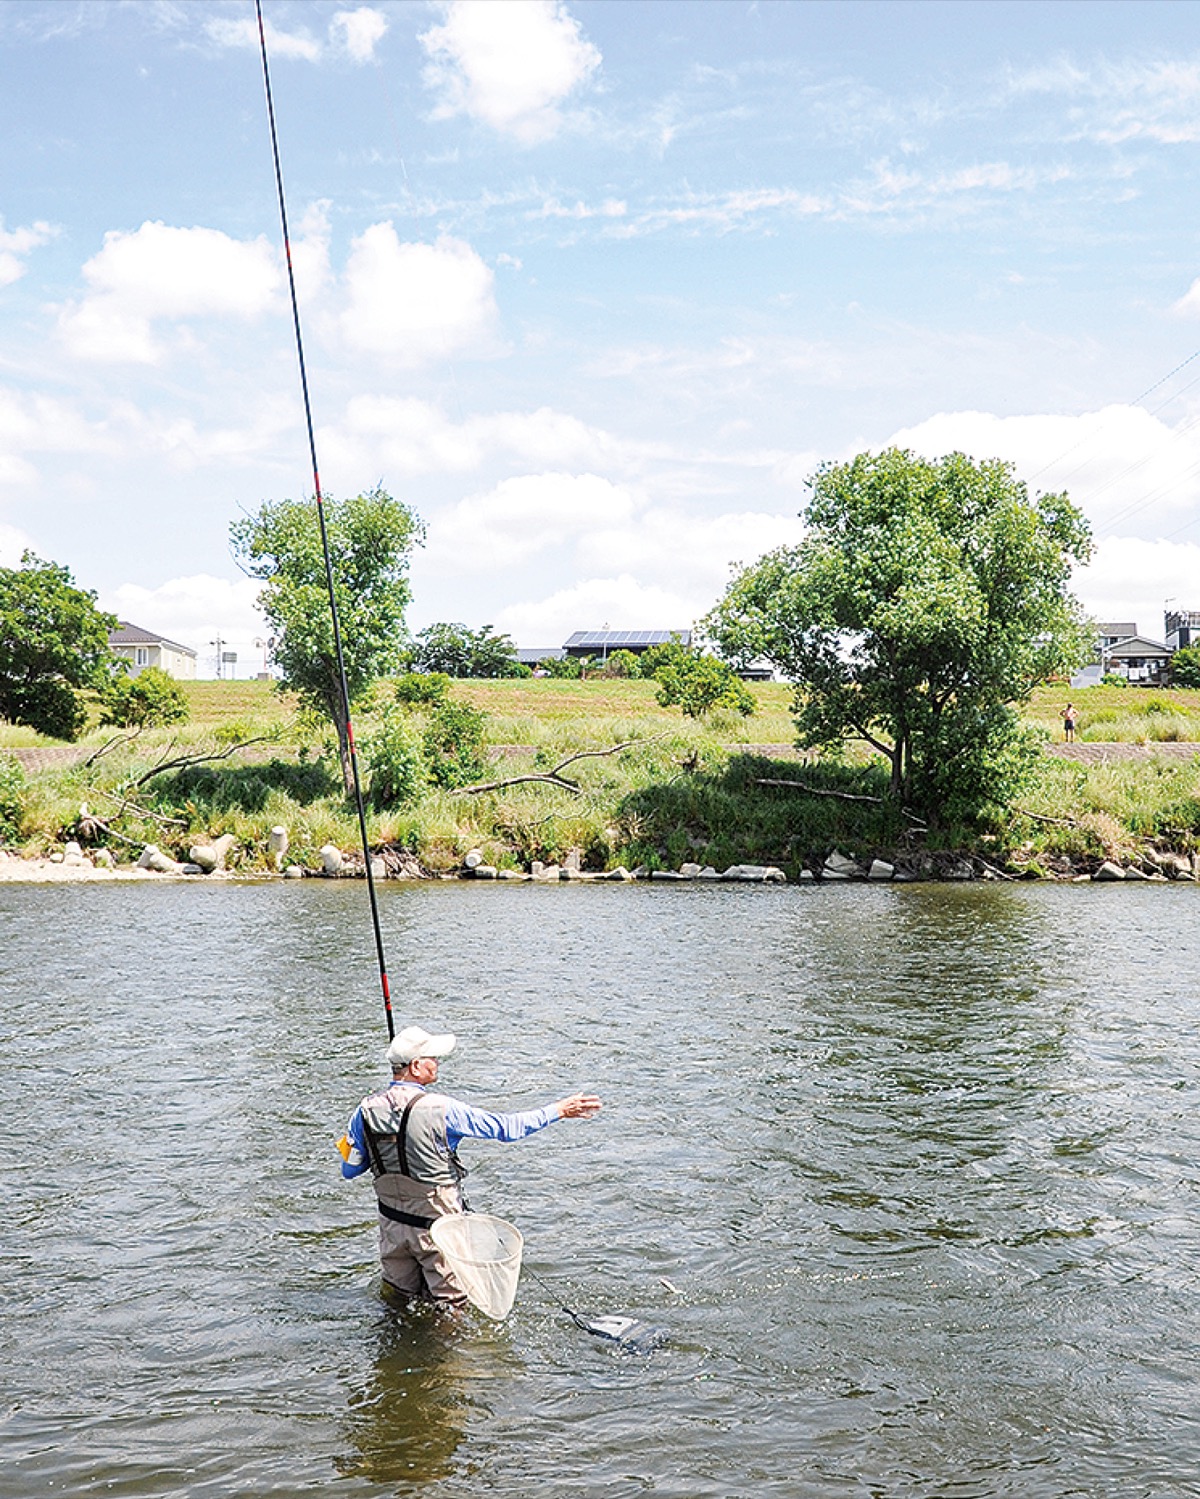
pixel 683 791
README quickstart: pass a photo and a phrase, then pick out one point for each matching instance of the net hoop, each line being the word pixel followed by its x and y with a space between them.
pixel 484 1254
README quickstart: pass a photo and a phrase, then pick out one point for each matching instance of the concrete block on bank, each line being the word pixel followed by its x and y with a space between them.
pixel 293 872
pixel 642 872
pixel 277 842
pixel 755 874
pixel 153 858
pixel 573 861
pixel 204 856
pixel 190 869
pixel 1109 871
pixel 666 874
pixel 473 859
pixel 881 870
pixel 807 875
pixel 834 874
pixel 511 874
pixel 103 858
pixel 689 871
pixel 839 863
pixel 549 873
pixel 708 873
pixel 1134 873
pixel 331 859
pixel 484 872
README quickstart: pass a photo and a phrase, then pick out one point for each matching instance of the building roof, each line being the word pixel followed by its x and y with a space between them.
pixel 1117 631
pixel 531 655
pixel 127 634
pixel 624 640
pixel 1138 645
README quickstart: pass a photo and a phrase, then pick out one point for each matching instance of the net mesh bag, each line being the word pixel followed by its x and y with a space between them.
pixel 485 1255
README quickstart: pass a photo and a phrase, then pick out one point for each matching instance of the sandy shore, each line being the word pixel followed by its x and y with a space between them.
pixel 14 870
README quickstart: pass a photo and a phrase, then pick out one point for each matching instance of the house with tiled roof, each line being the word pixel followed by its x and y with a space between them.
pixel 143 648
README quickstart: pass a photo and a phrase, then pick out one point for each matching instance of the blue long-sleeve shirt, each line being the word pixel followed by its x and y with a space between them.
pixel 463 1121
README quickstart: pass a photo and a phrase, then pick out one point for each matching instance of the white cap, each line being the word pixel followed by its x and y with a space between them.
pixel 413 1042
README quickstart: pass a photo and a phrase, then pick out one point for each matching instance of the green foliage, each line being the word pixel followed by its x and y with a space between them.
pixel 1114 679
pixel 623 664
pixel 670 653
pixel 12 787
pixel 698 684
pixel 454 745
pixel 395 757
pixel 149 700
pixel 204 790
pixel 456 651
pixel 1185 667
pixel 370 538
pixel 422 689
pixel 53 643
pixel 925 599
pixel 565 668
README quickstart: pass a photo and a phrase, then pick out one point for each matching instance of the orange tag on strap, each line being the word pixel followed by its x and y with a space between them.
pixel 343 1146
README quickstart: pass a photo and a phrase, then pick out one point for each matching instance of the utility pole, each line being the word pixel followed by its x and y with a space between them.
pixel 220 645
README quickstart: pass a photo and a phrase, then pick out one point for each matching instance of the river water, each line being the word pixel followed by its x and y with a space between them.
pixel 920 1162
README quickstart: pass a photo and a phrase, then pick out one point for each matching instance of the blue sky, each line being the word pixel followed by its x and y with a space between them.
pixel 593 286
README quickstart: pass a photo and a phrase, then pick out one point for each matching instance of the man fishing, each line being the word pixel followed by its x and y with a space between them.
pixel 408 1138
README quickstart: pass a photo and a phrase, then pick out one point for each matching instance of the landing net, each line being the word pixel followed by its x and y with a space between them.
pixel 485 1255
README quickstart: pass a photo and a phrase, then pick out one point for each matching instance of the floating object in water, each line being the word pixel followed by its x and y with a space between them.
pixel 663 1281
pixel 630 1333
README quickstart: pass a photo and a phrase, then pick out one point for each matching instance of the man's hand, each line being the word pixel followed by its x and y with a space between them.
pixel 578 1106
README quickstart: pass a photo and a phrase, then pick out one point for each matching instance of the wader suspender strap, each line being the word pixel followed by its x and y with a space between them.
pixel 402 1133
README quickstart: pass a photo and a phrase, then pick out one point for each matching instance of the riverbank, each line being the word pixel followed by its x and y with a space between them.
pixel 595 778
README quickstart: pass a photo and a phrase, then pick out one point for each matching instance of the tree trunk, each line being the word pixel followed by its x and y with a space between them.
pixel 342 724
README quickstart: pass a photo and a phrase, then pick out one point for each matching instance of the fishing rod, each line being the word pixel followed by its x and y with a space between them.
pixel 329 584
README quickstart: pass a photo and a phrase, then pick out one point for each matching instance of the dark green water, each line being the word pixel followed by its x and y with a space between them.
pixel 922 1163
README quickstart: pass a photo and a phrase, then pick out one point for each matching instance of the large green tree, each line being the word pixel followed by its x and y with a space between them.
pixel 925 600
pixel 370 539
pixel 53 645
pixel 457 651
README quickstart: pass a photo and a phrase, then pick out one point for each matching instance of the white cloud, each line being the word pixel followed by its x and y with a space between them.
pixel 1189 304
pixel 402 436
pixel 620 602
pixel 13 544
pixel 1115 102
pixel 244 33
pixel 195 611
pixel 16 244
pixel 410 303
pixel 34 423
pixel 359 31
pixel 1131 579
pixel 508 63
pixel 1123 466
pixel 159 271
pixel 523 516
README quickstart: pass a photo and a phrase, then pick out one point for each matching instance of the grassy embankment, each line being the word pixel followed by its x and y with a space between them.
pixel 683 791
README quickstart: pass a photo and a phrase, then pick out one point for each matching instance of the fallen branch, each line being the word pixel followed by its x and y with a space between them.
pixel 124 805
pixel 1058 822
pixel 185 762
pixel 110 744
pixel 842 796
pixel 553 777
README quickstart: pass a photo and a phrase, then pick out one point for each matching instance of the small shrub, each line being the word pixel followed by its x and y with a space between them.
pixel 149 700
pixel 422 688
pixel 395 758
pixel 454 745
pixel 1113 679
pixel 12 787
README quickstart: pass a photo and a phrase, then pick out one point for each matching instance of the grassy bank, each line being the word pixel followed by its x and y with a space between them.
pixel 679 792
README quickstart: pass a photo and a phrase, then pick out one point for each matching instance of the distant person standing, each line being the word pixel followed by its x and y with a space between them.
pixel 1069 718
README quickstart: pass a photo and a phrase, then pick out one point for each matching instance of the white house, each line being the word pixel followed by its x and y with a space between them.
pixel 141 648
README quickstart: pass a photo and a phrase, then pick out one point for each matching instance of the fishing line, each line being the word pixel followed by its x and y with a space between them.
pixel 333 608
